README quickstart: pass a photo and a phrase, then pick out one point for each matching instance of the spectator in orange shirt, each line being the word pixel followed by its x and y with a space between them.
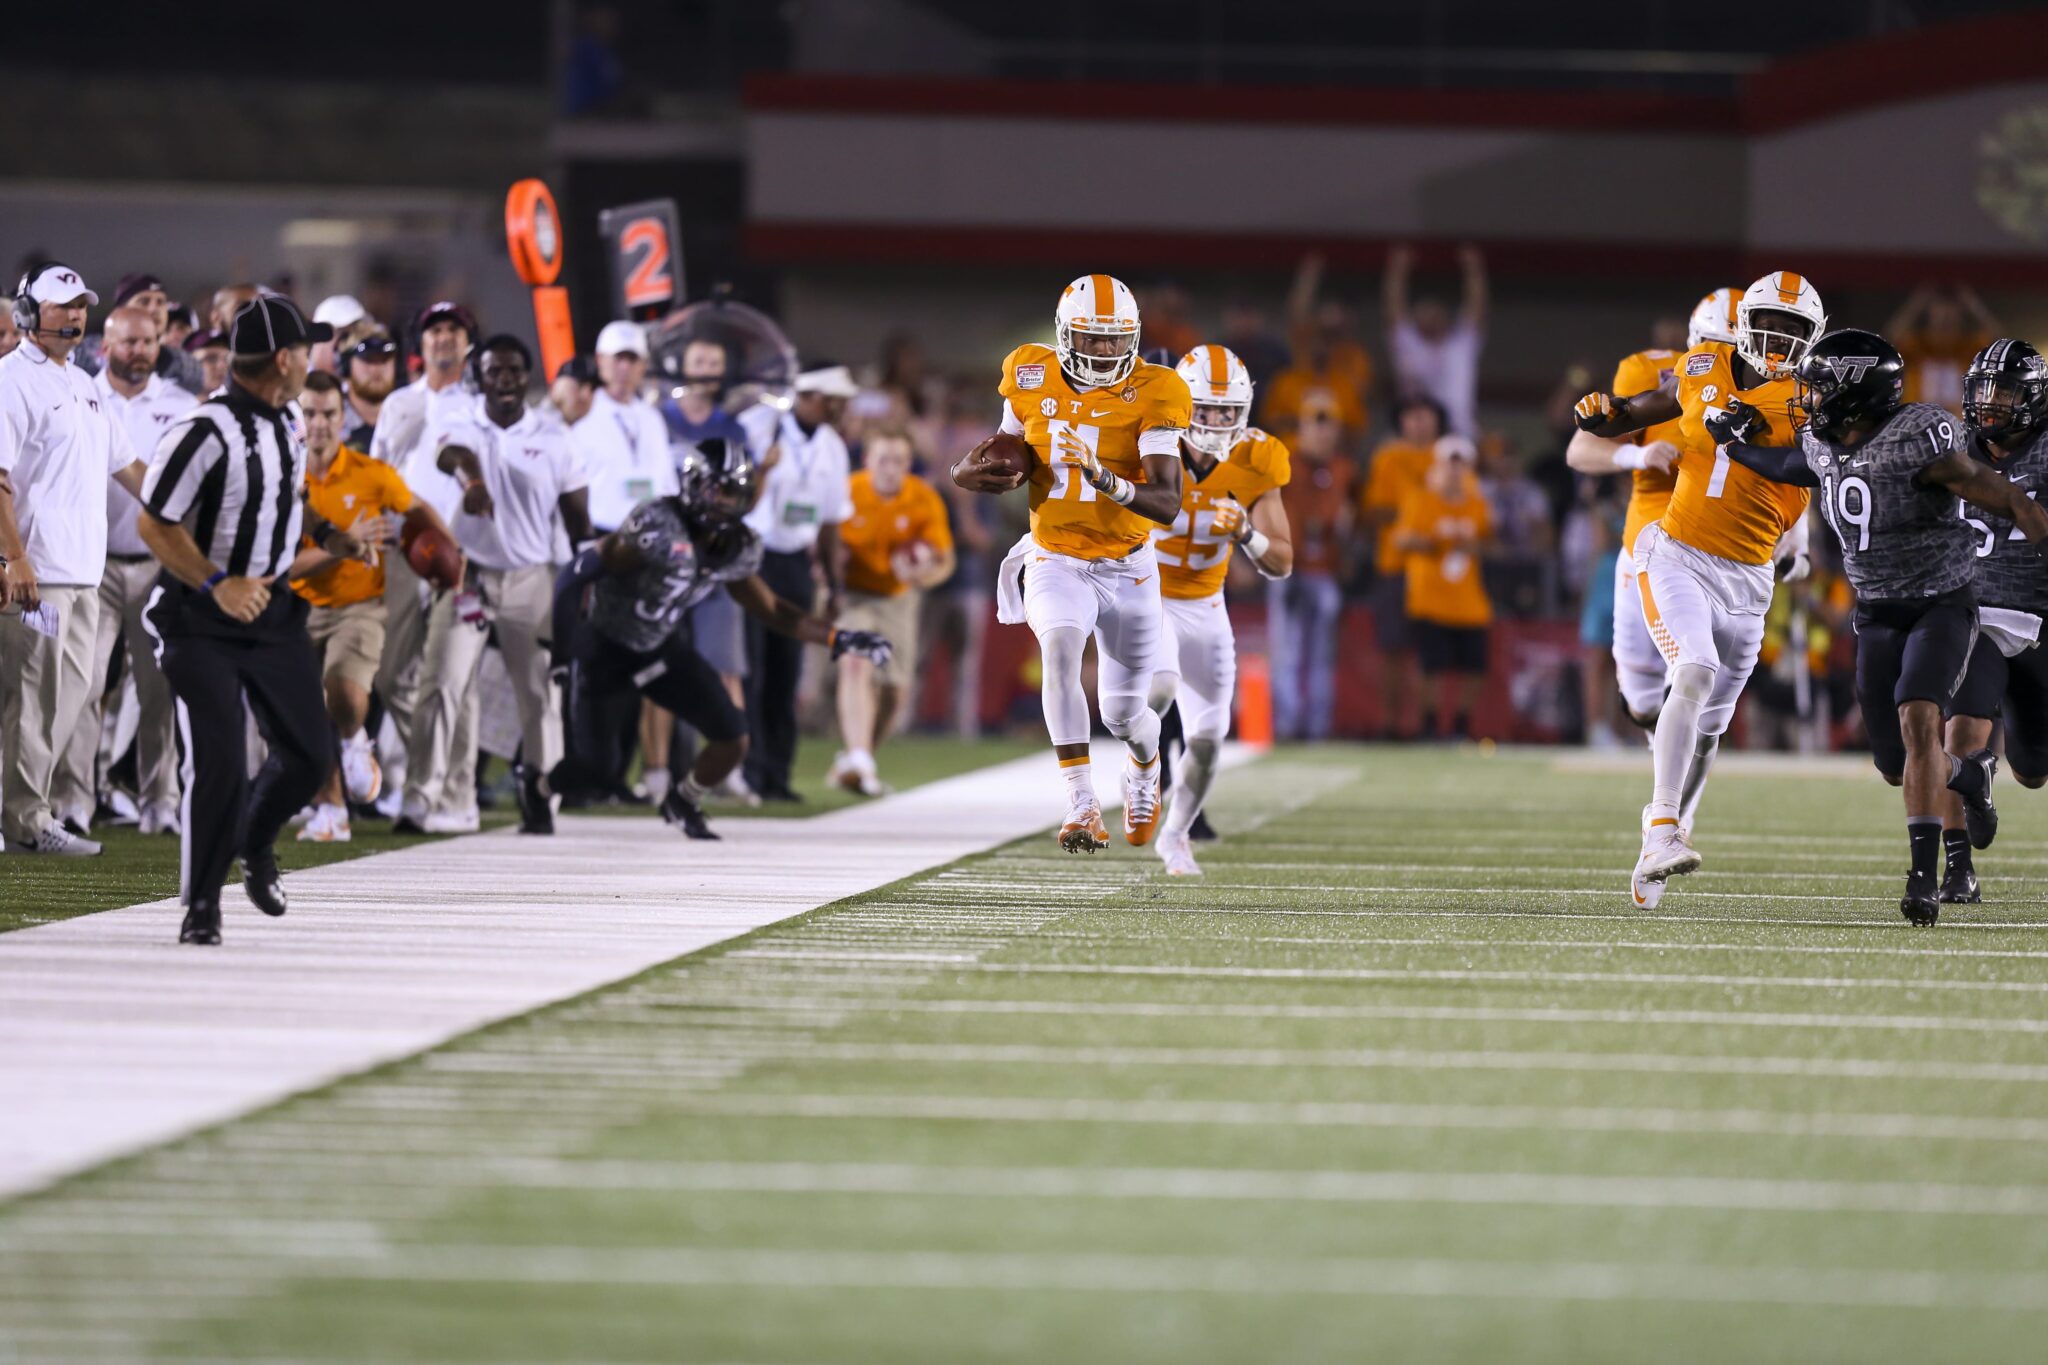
pixel 897 543
pixel 368 499
pixel 1302 610
pixel 1443 525
pixel 1398 468
pixel 1328 361
pixel 1939 331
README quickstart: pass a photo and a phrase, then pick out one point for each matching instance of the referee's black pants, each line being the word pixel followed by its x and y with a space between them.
pixel 225 813
pixel 775 665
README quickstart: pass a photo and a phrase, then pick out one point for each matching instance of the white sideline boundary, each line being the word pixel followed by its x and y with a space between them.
pixel 119 1038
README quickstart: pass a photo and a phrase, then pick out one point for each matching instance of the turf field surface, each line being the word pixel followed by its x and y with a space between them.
pixel 1404 1077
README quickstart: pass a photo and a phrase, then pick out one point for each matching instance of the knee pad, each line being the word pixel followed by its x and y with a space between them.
pixel 1693 683
pixel 1120 712
pixel 1062 648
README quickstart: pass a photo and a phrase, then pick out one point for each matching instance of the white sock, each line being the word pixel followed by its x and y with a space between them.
pixel 334 813
pixel 1677 738
pixel 359 740
pixel 1191 780
pixel 860 760
pixel 692 793
pixel 1080 779
pixel 656 782
pixel 1695 788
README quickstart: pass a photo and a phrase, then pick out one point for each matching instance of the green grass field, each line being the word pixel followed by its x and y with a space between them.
pixel 134 869
pixel 1404 1078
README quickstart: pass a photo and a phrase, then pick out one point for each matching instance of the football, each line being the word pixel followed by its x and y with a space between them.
pixel 433 556
pixel 1005 449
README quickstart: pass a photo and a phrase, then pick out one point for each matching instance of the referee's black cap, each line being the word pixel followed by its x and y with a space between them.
pixel 270 323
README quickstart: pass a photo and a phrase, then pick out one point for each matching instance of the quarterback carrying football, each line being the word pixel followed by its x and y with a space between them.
pixel 1104 429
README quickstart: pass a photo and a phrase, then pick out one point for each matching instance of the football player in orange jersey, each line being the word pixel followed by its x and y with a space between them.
pixel 1705 570
pixel 1105 429
pixel 1230 469
pixel 1651 462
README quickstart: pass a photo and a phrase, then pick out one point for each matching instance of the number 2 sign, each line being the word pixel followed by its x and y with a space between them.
pixel 646 257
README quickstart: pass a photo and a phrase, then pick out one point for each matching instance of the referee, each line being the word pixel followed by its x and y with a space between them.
pixel 221 512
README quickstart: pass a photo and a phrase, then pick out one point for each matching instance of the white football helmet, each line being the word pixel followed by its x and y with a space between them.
pixel 1097 306
pixel 1777 322
pixel 1217 379
pixel 1713 318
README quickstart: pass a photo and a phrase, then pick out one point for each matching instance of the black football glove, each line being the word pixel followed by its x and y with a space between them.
pixel 866 643
pixel 1737 422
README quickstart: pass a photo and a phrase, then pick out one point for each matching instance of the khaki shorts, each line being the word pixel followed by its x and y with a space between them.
pixel 893 618
pixel 349 640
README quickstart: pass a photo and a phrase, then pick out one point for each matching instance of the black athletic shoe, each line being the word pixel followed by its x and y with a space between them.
pixel 262 882
pixel 1921 904
pixel 1201 829
pixel 685 814
pixel 1980 817
pixel 405 824
pixel 1959 887
pixel 779 791
pixel 535 815
pixel 202 925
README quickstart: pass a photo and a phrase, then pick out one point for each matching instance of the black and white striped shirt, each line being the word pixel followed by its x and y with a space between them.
pixel 233 472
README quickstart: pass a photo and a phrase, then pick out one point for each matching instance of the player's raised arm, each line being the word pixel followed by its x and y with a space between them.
pixel 1779 464
pixel 1979 484
pixel 1604 414
pixel 1590 454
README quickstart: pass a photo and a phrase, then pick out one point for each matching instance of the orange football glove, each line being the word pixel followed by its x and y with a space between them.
pixel 1227 518
pixel 1594 410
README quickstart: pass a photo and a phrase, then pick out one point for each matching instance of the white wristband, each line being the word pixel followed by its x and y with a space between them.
pixel 1629 457
pixel 1256 543
pixel 1120 490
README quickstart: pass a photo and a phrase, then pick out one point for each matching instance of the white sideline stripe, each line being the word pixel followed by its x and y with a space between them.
pixel 1073 1271
pixel 485 928
pixel 166 1210
pixel 1875 919
pixel 1353 1114
pixel 1930 952
pixel 712 998
pixel 1404 974
pixel 1393 1059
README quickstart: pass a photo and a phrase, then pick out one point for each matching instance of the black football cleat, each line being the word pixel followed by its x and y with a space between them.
pixel 1980 817
pixel 685 814
pixel 262 882
pixel 202 925
pixel 405 824
pixel 536 816
pixel 1959 887
pixel 1922 902
pixel 1201 828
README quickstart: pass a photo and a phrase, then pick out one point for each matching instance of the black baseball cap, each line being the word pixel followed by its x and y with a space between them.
pixel 449 309
pixel 269 323
pixel 138 283
pixel 204 339
pixel 580 368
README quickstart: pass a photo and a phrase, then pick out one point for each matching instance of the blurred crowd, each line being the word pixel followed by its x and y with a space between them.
pixel 1431 546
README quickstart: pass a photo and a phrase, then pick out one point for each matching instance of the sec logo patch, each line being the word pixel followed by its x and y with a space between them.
pixel 1031 376
pixel 1050 407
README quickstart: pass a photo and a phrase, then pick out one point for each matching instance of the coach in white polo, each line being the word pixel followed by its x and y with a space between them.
pixel 623 439
pixel 518 470
pixel 146 404
pixel 59 444
pixel 804 498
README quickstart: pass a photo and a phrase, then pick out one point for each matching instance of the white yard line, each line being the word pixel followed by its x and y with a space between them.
pixel 385 956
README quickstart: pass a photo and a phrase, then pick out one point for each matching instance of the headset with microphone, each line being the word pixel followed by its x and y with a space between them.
pixel 28 314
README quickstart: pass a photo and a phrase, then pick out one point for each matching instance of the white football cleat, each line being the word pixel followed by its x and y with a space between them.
pixel 328 826
pixel 453 822
pixel 1665 855
pixel 57 842
pixel 1178 854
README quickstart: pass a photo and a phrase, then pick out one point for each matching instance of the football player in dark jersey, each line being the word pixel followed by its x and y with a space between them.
pixel 1890 474
pixel 621 613
pixel 2005 409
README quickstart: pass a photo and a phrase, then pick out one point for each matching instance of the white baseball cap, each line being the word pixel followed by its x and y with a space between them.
pixel 622 338
pixel 833 381
pixel 1452 446
pixel 59 283
pixel 340 310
